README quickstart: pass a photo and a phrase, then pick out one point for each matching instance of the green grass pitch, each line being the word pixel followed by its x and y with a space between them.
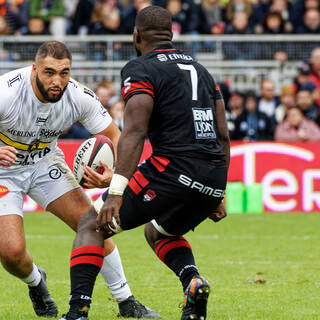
pixel 260 267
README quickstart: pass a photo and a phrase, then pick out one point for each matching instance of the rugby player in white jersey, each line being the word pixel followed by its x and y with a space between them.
pixel 37 104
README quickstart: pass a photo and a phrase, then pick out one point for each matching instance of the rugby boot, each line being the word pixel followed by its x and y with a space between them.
pixel 132 308
pixel 43 304
pixel 69 316
pixel 195 299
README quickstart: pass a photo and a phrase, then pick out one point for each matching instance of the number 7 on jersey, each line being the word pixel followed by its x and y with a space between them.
pixel 193 76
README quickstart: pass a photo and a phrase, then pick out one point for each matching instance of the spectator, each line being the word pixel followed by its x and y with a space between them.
pixel 268 100
pixel 240 50
pixel 288 101
pixel 235 6
pixel 299 9
pixel 82 17
pixel 311 22
pixel 16 14
pixel 117 112
pixel 210 17
pixel 234 109
pixel 71 7
pixel 76 131
pixel 52 12
pixel 251 124
pixel 297 128
pixel 285 9
pixel 315 66
pixel 105 18
pixel 306 104
pixel 4 28
pixel 184 16
pixel 272 23
pixel 105 91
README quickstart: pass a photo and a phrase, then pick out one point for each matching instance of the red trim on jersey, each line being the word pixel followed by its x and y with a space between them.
pixel 166 245
pixel 165 49
pixel 95 260
pixel 133 185
pixel 140 86
pixel 160 162
pixel 138 182
pixel 87 250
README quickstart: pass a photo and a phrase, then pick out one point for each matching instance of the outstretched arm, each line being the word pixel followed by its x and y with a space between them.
pixel 136 122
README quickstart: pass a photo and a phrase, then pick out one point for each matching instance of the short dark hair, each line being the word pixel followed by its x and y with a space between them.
pixel 54 49
pixel 154 18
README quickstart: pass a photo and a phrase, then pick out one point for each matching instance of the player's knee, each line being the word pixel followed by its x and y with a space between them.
pixel 88 221
pixel 12 254
pixel 151 235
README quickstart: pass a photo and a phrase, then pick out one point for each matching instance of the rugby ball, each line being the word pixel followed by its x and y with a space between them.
pixel 90 152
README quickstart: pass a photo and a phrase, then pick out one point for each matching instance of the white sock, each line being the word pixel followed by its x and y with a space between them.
pixel 34 278
pixel 113 274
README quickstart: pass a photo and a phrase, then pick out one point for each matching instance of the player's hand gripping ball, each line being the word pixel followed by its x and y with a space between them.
pixel 90 153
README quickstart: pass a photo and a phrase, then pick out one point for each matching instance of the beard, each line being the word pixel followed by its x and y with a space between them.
pixel 46 94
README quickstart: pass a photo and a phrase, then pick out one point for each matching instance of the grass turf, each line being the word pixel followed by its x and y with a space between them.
pixel 260 267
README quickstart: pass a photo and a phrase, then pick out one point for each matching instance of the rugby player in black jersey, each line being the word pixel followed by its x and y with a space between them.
pixel 174 101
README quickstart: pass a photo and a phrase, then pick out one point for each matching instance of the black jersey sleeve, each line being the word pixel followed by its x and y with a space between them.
pixel 135 80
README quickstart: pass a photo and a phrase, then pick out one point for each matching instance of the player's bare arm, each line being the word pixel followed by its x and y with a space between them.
pixel 137 114
pixel 223 132
pixel 7 156
pixel 94 179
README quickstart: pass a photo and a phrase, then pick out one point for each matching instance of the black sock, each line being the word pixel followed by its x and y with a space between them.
pixel 85 265
pixel 176 253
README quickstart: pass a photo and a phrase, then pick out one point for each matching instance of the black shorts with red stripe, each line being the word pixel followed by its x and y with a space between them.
pixel 177 194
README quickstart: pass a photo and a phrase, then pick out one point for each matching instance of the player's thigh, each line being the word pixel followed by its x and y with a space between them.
pixel 55 189
pixel 188 216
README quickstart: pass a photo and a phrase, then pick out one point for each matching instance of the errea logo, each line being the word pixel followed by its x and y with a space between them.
pixel 162 57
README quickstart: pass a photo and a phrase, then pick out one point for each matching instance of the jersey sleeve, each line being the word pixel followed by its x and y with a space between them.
pixel 94 116
pixel 135 80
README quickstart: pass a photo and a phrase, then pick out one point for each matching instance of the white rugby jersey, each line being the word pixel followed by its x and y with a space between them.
pixel 33 127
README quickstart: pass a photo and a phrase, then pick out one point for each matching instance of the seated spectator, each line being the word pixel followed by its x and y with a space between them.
pixel 210 17
pixel 268 100
pixel 240 50
pixel 52 12
pixel 251 124
pixel 4 28
pixel 82 17
pixel 296 127
pixel 105 18
pixel 311 22
pixel 235 6
pixel 306 104
pixel 299 9
pixel 272 23
pixel 285 9
pixel 106 93
pixel 16 14
pixel 184 16
pixel 234 108
pixel 71 7
pixel 315 67
pixel 36 26
pixel 117 112
pixel 287 100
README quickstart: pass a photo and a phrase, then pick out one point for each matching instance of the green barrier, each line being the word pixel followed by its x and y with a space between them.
pixel 253 198
pixel 235 197
pixel 244 199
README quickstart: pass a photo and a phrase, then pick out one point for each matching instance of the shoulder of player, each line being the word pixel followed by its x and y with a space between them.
pixel 12 82
pixel 133 64
pixel 80 93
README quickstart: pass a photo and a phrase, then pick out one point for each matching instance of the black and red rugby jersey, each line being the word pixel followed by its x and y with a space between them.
pixel 183 121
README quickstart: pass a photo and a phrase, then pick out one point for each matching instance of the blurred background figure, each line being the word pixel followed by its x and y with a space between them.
pixel 296 127
pixel 315 68
pixel 251 124
pixel 117 112
pixel 106 93
pixel 311 22
pixel 268 100
pixel 52 12
pixel 305 103
pixel 288 100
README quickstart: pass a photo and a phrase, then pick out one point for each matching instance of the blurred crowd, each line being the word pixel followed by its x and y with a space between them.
pixel 60 17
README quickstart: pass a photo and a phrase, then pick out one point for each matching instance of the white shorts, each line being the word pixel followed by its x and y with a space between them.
pixel 44 182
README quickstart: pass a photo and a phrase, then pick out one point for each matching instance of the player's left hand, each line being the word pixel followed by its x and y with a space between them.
pixel 109 210
pixel 94 179
pixel 219 213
